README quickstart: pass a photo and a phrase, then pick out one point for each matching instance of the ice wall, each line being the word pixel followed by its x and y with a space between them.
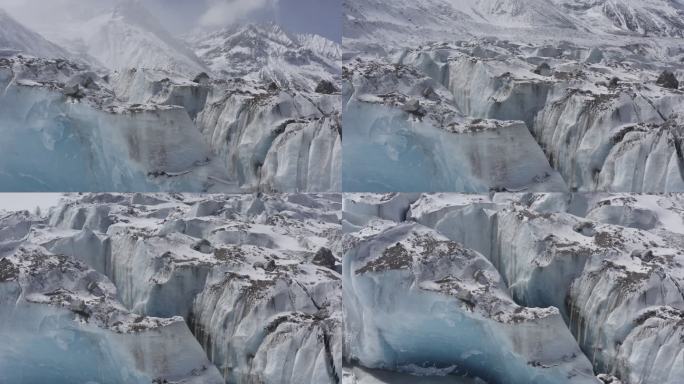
pixel 455 313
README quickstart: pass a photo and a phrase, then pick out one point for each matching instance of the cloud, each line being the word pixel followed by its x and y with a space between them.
pixel 226 12
pixel 43 14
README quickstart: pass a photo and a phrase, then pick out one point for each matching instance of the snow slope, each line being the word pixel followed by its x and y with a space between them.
pixel 268 53
pixel 15 38
pixel 130 37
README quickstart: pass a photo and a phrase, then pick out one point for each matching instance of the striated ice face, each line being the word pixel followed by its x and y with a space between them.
pixel 597 276
pixel 184 288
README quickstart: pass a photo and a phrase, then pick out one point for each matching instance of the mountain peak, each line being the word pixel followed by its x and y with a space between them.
pixel 130 36
pixel 134 12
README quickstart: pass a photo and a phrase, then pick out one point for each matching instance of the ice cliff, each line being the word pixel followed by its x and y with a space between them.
pixel 602 273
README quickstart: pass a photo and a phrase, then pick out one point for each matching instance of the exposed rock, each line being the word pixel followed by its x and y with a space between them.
pixel 326 87
pixel 413 106
pixel 543 69
pixel 324 258
pixel 668 79
pixel 202 79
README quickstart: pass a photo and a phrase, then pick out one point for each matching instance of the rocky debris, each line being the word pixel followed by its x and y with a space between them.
pixel 270 266
pixel 326 87
pixel 667 79
pixel 614 82
pixel 202 79
pixel 543 69
pixel 608 379
pixel 80 83
pixel 413 107
pixel 324 258
pixel 73 90
pixel 203 246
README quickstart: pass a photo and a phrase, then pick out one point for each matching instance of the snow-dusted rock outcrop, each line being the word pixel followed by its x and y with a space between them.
pixel 270 54
pixel 611 265
pixel 256 278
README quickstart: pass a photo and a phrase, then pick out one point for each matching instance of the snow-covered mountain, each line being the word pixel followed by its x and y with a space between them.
pixel 515 288
pixel 268 53
pixel 401 22
pixel 173 288
pixel 640 17
pixel 601 100
pixel 130 37
pixel 15 38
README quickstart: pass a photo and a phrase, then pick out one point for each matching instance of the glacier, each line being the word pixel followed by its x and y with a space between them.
pixel 601 273
pixel 247 287
pixel 592 106
pixel 128 107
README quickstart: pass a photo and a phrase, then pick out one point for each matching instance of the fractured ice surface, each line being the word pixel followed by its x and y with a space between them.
pixel 248 274
pixel 610 264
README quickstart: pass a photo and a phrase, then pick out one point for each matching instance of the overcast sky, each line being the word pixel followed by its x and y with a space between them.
pixel 322 17
pixel 28 201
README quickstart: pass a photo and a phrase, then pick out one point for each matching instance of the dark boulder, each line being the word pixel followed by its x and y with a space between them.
pixel 202 78
pixel 326 87
pixel 203 246
pixel 413 106
pixel 324 258
pixel 668 79
pixel 270 266
pixel 614 82
pixel 543 69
